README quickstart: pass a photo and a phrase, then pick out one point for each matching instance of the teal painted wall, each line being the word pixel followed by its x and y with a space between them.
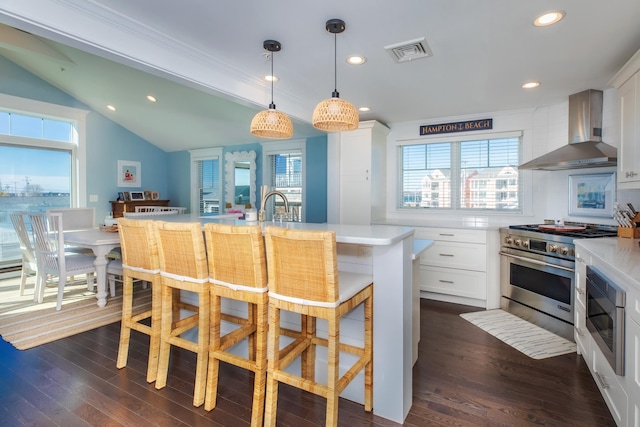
pixel 167 173
pixel 316 179
pixel 107 142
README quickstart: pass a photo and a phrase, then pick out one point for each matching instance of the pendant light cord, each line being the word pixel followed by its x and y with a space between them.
pixel 335 93
pixel 272 106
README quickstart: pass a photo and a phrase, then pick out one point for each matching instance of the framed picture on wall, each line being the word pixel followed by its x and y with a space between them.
pixel 592 194
pixel 129 174
pixel 137 195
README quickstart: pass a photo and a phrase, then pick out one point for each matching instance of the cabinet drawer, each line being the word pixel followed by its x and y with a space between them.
pixel 456 255
pixel 451 234
pixel 632 366
pixel 468 284
pixel 581 333
pixel 610 387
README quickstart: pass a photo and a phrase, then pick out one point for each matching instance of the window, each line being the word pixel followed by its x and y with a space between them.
pixel 284 173
pixel 206 176
pixel 479 174
pixel 42 163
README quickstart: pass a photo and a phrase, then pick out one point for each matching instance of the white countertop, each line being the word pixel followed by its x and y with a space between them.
pixel 374 235
pixel 621 254
pixel 464 223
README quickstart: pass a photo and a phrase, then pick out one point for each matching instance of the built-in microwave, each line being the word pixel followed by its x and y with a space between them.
pixel 605 317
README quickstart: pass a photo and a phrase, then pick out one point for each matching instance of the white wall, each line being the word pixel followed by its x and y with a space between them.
pixel 545 192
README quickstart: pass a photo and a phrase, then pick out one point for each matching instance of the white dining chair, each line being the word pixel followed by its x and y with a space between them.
pixel 76 218
pixel 51 257
pixel 29 264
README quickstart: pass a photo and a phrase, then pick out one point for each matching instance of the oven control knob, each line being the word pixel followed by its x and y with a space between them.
pixel 525 243
pixel 552 248
pixel 508 240
pixel 518 242
pixel 564 250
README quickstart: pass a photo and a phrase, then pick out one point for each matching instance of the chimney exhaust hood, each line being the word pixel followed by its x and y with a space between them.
pixel 585 148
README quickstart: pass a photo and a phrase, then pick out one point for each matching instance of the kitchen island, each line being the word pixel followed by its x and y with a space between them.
pixel 385 252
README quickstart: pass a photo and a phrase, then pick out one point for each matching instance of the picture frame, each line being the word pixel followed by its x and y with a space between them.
pixel 592 194
pixel 127 196
pixel 147 195
pixel 129 173
pixel 155 195
pixel 137 195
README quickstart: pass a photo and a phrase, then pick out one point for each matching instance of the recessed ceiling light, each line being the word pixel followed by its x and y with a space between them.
pixel 271 78
pixel 364 109
pixel 111 107
pixel 356 60
pixel 530 85
pixel 548 18
pixel 152 98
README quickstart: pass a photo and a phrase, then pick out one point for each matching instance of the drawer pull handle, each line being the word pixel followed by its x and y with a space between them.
pixel 446 255
pixel 447 234
pixel 602 381
pixel 630 174
pixel 446 281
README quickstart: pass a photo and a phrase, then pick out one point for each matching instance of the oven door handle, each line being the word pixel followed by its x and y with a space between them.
pixel 535 261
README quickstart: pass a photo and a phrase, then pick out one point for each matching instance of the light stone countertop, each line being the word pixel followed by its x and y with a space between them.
pixel 622 255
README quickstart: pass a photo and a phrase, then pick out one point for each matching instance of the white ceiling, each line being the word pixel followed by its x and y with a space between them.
pixel 204 61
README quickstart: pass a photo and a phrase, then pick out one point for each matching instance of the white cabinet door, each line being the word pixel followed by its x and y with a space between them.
pixel 629 151
pixel 632 376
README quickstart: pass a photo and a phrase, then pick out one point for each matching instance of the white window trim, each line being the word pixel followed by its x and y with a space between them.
pixel 79 146
pixel 271 148
pixel 393 174
pixel 199 155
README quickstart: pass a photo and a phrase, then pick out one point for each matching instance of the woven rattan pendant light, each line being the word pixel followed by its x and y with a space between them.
pixel 335 114
pixel 271 123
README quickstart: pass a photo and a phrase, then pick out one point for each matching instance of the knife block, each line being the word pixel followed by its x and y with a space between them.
pixel 631 232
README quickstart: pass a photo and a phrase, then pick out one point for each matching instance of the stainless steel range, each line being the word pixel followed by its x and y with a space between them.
pixel 537 264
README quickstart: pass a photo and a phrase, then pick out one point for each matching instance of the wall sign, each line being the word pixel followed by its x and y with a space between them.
pixel 456 127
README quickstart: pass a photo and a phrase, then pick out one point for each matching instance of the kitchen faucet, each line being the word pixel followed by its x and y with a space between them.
pixel 265 196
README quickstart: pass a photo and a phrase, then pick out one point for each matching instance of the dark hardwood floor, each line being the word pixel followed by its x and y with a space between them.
pixel 464 377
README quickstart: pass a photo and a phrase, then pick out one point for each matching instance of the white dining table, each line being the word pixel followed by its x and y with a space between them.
pixel 101 243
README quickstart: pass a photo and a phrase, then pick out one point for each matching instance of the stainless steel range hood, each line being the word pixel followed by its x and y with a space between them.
pixel 585 148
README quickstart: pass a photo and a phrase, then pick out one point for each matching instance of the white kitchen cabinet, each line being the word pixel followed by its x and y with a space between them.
pixel 627 81
pixel 362 174
pixel 454 268
pixel 621 393
pixel 580 328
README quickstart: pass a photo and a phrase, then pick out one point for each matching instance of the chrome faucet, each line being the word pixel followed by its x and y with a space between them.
pixel 263 203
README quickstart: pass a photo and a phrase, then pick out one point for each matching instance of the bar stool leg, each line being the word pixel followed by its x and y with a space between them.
pixel 333 358
pixel 260 341
pixel 165 333
pixel 202 348
pixel 271 404
pixel 368 344
pixel 214 364
pixel 154 338
pixel 125 332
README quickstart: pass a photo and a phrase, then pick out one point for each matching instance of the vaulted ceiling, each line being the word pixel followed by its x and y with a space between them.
pixel 205 63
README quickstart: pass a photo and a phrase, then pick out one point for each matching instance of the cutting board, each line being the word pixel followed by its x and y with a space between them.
pixel 553 227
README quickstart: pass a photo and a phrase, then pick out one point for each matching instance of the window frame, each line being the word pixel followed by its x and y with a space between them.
pixel 77 145
pixel 201 155
pixel 395 204
pixel 271 148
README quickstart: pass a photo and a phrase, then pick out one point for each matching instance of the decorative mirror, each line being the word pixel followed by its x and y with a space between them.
pixel 240 178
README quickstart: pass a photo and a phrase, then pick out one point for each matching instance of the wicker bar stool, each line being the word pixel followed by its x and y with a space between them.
pixel 140 262
pixel 183 266
pixel 238 271
pixel 304 278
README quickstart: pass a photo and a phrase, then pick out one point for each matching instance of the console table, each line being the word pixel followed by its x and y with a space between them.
pixel 119 208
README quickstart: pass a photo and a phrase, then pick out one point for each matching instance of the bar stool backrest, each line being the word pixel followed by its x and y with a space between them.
pixel 236 255
pixel 138 244
pixel 302 264
pixel 181 250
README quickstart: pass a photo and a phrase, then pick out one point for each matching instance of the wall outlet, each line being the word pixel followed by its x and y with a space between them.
pixel 93 197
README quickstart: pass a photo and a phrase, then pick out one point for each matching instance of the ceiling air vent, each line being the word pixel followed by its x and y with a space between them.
pixel 409 50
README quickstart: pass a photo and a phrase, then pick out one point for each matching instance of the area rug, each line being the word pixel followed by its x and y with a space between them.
pixel 532 340
pixel 26 324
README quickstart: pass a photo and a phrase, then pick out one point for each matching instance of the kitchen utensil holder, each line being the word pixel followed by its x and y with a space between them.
pixel 631 232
